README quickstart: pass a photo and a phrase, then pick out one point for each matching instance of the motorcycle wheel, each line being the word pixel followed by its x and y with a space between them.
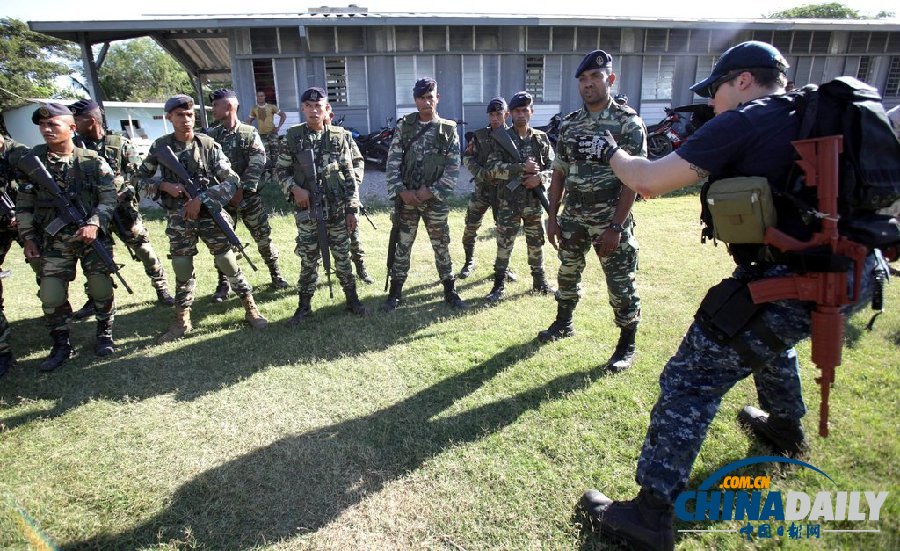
pixel 658 146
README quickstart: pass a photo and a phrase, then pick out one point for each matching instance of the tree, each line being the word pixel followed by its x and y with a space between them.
pixel 140 70
pixel 31 63
pixel 830 10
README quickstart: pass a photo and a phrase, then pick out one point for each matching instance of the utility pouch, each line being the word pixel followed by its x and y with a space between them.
pixel 727 309
pixel 740 209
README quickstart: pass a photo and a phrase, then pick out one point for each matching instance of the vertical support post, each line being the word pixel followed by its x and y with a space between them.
pixel 201 101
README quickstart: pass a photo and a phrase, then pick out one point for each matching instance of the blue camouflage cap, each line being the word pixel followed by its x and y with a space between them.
pixel 84 106
pixel 180 100
pixel 223 93
pixel 497 104
pixel 423 86
pixel 520 99
pixel 314 94
pixel 598 59
pixel 752 54
pixel 48 111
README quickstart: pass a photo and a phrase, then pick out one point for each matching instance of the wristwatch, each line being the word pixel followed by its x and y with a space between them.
pixel 616 227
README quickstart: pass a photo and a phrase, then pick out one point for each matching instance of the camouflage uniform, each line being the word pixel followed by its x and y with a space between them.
pixel 519 205
pixel 124 160
pixel 357 253
pixel 203 158
pixel 337 180
pixel 591 195
pixel 10 152
pixel 243 147
pixel 484 196
pixel 432 161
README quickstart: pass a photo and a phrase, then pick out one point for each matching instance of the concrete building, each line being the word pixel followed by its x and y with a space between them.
pixel 369 61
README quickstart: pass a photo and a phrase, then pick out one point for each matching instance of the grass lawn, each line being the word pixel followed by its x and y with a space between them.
pixel 425 428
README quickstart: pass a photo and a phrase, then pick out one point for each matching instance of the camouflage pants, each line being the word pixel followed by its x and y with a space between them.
pixel 434 214
pixel 619 268
pixel 4 325
pixel 357 253
pixel 254 215
pixel 311 254
pixel 484 197
pixel 183 236
pixel 270 143
pixel 137 237
pixel 700 373
pixel 510 216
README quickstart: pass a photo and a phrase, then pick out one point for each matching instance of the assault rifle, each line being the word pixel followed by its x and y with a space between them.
pixel 7 207
pixel 502 136
pixel 318 210
pixel 828 289
pixel 69 211
pixel 365 212
pixel 123 231
pixel 167 158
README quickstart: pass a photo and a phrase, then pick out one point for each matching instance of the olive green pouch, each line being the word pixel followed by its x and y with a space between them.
pixel 741 209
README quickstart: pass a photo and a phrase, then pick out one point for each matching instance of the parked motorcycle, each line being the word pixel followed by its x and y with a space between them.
pixel 374 146
pixel 674 129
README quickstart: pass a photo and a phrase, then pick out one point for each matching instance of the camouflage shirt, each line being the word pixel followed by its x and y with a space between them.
pixel 476 155
pixel 334 164
pixel 359 163
pixel 244 148
pixel 503 166
pixel 430 160
pixel 10 153
pixel 205 162
pixel 84 174
pixel 121 156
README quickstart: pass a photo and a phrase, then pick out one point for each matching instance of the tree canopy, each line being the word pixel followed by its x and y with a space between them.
pixel 140 70
pixel 828 10
pixel 31 64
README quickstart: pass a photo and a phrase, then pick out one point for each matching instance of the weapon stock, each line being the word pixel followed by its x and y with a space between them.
pixel 502 136
pixel 317 210
pixel 167 158
pixel 69 211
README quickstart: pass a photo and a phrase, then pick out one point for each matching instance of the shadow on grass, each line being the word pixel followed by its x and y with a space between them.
pixel 300 484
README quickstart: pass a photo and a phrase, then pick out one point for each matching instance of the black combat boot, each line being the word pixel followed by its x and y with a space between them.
pixel 164 297
pixel 540 284
pixel 469 265
pixel 786 436
pixel 6 362
pixel 60 353
pixel 354 306
pixel 394 296
pixel 623 356
pixel 222 288
pixel 644 522
pixel 85 311
pixel 451 297
pixel 561 326
pixel 278 282
pixel 105 345
pixel 304 309
pixel 361 272
pixel 498 290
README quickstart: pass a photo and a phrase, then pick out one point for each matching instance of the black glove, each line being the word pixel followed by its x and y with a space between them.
pixel 599 148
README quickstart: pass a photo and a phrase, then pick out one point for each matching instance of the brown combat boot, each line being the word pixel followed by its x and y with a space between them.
pixel 253 317
pixel 179 327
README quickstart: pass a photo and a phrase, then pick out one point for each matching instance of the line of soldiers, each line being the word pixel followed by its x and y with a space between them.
pixel 320 170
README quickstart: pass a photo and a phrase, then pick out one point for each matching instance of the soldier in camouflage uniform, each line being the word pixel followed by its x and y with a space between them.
pixel 189 219
pixel 123 159
pixel 597 208
pixel 340 196
pixel 484 196
pixel 422 168
pixel 530 168
pixel 243 147
pixel 10 153
pixel 86 177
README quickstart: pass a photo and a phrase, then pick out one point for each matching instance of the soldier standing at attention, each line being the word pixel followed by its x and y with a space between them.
pixel 422 168
pixel 340 200
pixel 188 219
pixel 484 196
pixel 121 156
pixel 243 147
pixel 264 115
pixel 85 176
pixel 597 208
pixel 10 153
pixel 520 206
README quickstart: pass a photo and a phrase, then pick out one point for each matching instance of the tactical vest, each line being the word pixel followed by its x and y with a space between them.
pixel 331 174
pixel 239 155
pixel 483 148
pixel 79 182
pixel 434 162
pixel 196 164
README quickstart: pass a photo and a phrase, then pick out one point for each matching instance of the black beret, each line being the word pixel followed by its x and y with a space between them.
pixel 84 106
pixel 49 110
pixel 314 94
pixel 520 99
pixel 423 86
pixel 497 104
pixel 180 100
pixel 598 59
pixel 223 93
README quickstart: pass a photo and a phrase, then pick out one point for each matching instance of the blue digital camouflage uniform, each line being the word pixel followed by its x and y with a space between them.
pixel 590 197
pixel 519 207
pixel 484 196
pixel 10 152
pixel 204 160
pixel 432 161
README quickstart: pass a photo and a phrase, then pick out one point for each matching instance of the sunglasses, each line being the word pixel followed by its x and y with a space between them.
pixel 714 87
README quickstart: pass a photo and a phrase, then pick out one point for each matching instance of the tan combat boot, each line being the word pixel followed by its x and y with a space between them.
pixel 180 325
pixel 253 317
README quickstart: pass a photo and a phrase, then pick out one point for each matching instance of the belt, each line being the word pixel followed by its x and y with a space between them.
pixel 595 196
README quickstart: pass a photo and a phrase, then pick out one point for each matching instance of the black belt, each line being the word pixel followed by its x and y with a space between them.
pixel 595 196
